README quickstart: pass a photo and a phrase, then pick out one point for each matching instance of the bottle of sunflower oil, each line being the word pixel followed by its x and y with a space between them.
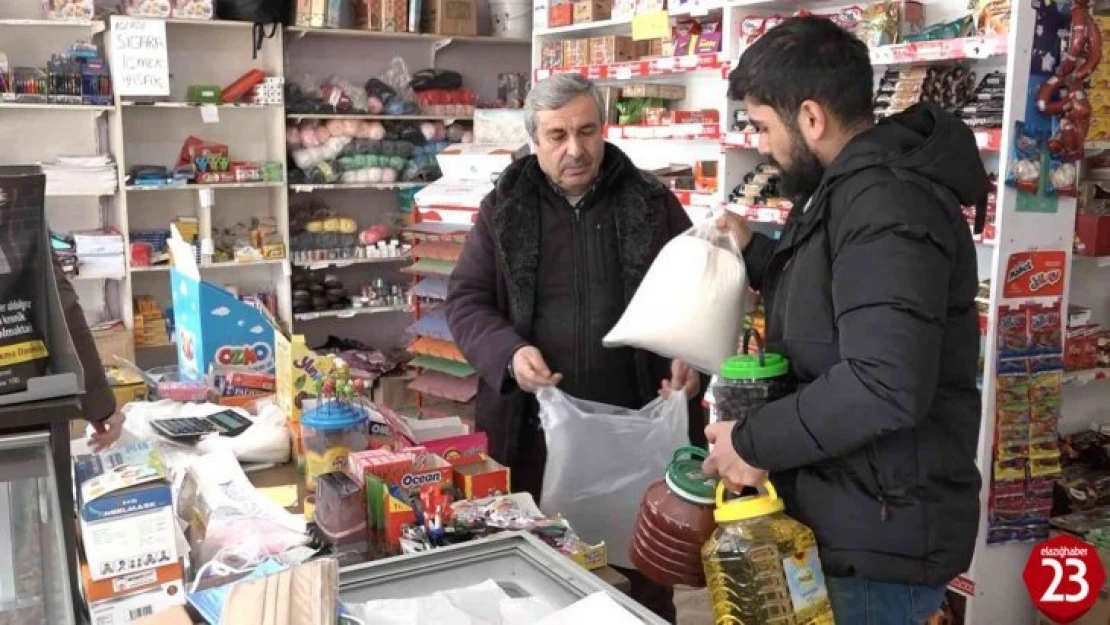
pixel 761 566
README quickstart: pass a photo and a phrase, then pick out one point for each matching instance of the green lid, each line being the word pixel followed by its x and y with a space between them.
pixel 685 477
pixel 748 367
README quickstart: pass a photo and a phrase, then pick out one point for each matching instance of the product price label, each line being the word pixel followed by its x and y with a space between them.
pixel 1064 576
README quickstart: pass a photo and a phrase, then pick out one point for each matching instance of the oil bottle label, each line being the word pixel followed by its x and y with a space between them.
pixel 806 580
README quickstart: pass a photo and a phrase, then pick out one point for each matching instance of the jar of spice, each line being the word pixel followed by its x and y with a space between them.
pixel 748 381
pixel 674 521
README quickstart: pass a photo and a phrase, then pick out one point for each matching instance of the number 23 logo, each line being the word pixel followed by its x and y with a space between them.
pixel 1076 574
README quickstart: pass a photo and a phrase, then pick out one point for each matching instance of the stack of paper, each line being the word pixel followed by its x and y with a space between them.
pixel 81 175
pixel 99 254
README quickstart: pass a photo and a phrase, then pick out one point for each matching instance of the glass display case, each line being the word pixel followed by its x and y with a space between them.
pixel 34 565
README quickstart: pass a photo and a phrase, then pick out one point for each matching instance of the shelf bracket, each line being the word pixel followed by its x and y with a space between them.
pixel 438 45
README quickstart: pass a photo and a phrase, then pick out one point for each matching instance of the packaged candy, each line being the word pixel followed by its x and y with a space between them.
pixel 1011 450
pixel 992 17
pixel 1044 467
pixel 1013 415
pixel 1063 177
pixel 1012 389
pixel 1002 488
pixel 1044 448
pixel 1013 331
pixel 1014 431
pixel 1024 172
pixel 1044 386
pixel 1009 469
pixel 1045 411
pixel 1046 331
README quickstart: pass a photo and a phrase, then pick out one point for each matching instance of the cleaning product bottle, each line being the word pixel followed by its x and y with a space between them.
pixel 761 566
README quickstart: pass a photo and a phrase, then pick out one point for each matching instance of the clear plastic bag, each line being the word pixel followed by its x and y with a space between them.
pixel 690 305
pixel 601 459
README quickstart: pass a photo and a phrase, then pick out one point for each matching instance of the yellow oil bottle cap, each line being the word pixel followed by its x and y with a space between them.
pixel 748 507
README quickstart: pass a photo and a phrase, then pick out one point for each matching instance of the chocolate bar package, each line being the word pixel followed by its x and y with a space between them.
pixel 23 353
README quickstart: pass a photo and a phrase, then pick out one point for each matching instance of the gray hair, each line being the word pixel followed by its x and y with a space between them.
pixel 554 93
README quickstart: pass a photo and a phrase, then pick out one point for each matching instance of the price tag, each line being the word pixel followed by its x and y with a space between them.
pixel 654 25
pixel 1064 576
pixel 209 114
pixel 768 215
pixel 665 64
pixel 623 72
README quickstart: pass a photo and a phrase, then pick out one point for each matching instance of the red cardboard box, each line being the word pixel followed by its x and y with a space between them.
pixel 458 450
pixel 484 478
pixel 1092 233
pixel 409 468
pixel 560 15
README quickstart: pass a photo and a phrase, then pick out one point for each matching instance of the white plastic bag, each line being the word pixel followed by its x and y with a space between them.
pixel 601 459
pixel 690 305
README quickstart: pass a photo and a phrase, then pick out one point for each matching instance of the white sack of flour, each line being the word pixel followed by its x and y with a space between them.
pixel 690 304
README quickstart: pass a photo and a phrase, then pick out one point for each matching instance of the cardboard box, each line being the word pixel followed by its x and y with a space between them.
pixel 127 610
pixel 126 512
pixel 387 517
pixel 112 340
pixel 168 579
pixel 654 90
pixel 410 468
pixel 576 52
pixel 551 55
pixel 560 15
pixel 392 391
pixel 484 478
pixel 467 161
pixel 592 11
pixel 395 16
pixel 368 14
pixel 610 49
pixel 1092 233
pixel 451 17
pixel 310 13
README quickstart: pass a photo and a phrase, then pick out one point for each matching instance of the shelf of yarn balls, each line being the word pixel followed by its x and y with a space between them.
pixel 348 150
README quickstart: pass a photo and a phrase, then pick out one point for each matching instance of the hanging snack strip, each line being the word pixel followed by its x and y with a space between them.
pixel 1026 454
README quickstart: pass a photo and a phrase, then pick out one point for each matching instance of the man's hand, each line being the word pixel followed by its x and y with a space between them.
pixel 531 372
pixel 725 462
pixel 106 432
pixel 683 378
pixel 737 227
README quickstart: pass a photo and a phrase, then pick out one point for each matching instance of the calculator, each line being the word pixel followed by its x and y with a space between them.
pixel 225 423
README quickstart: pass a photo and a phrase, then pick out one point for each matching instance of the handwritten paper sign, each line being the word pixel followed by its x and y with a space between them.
pixel 141 66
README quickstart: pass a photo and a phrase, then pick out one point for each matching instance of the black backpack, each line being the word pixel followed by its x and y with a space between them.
pixel 274 13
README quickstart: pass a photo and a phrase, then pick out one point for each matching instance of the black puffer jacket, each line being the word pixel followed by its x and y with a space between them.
pixel 870 293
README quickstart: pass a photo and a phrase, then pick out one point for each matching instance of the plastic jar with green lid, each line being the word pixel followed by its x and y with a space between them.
pixel 749 380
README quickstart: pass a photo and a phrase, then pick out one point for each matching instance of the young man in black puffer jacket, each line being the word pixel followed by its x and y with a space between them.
pixel 870 294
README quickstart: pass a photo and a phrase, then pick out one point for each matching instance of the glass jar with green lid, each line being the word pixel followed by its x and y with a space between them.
pixel 749 380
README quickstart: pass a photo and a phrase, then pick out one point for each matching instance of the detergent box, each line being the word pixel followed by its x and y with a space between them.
pixel 217 333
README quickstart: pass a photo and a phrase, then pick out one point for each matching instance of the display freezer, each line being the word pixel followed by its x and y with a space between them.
pixel 520 563
pixel 34 567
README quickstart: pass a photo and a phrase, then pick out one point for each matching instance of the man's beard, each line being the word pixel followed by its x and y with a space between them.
pixel 802 176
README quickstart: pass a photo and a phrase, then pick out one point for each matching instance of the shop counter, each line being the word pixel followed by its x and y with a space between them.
pixel 279 481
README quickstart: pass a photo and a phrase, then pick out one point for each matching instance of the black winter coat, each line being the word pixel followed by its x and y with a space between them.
pixel 870 293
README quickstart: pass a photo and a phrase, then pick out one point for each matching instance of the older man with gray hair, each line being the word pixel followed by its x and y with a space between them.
pixel 559 247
